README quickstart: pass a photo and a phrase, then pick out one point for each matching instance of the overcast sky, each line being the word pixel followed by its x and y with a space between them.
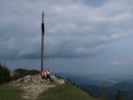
pixel 75 28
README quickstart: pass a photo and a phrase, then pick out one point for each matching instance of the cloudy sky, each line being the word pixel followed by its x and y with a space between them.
pixel 75 28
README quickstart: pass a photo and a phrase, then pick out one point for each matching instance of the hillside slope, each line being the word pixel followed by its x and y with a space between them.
pixel 36 89
pixel 65 92
pixel 8 92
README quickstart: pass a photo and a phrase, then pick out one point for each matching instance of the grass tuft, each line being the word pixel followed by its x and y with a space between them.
pixel 10 93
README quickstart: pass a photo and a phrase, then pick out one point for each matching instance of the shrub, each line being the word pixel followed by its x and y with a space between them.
pixel 18 73
pixel 4 74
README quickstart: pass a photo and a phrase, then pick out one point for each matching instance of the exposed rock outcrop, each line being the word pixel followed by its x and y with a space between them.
pixel 34 85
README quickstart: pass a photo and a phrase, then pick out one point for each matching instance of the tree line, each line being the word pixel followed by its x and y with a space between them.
pixel 7 75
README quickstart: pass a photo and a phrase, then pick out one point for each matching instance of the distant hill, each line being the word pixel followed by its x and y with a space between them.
pixel 126 89
pixel 96 85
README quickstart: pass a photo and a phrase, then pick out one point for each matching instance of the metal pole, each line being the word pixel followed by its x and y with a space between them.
pixel 42 40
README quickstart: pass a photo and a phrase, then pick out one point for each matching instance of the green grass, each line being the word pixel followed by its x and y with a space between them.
pixel 9 93
pixel 65 92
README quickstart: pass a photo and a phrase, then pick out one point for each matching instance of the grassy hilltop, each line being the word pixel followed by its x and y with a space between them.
pixel 25 84
pixel 64 92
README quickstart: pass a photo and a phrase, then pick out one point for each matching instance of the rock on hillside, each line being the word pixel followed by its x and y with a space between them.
pixel 33 85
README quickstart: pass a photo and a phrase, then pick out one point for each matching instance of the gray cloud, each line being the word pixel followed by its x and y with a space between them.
pixel 75 28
